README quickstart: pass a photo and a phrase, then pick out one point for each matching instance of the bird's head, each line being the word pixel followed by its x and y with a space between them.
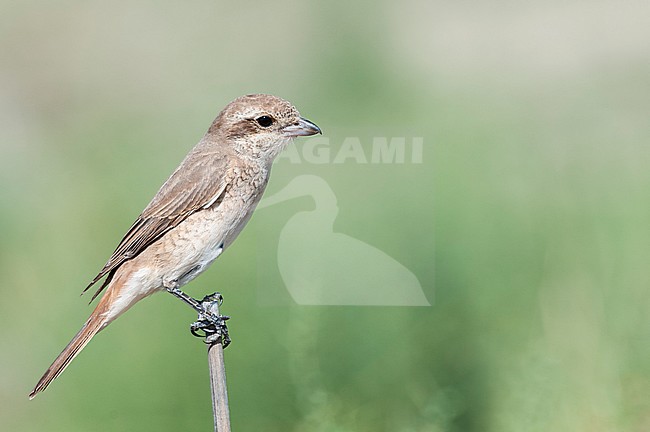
pixel 259 126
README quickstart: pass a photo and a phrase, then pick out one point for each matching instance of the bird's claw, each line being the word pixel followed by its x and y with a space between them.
pixel 214 297
pixel 209 324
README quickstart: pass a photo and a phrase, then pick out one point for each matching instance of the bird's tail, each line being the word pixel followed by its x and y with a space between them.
pixel 97 321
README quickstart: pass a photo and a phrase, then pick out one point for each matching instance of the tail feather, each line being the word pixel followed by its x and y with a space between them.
pixel 95 323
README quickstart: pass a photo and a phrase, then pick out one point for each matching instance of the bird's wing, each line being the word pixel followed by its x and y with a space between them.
pixel 197 184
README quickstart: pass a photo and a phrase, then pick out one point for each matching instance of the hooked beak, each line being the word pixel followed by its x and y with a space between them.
pixel 303 128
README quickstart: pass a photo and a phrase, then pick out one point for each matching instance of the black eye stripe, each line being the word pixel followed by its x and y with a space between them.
pixel 264 121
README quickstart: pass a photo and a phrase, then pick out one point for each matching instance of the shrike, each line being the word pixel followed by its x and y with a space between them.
pixel 197 213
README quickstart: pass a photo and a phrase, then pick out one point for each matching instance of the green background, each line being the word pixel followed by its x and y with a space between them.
pixel 526 223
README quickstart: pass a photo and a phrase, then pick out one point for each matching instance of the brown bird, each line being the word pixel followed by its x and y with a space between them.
pixel 197 213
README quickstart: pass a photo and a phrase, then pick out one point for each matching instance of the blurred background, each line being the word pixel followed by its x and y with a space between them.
pixel 526 223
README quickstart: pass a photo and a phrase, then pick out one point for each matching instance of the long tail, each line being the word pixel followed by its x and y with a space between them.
pixel 97 321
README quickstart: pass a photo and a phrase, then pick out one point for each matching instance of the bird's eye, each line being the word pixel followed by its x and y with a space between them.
pixel 264 121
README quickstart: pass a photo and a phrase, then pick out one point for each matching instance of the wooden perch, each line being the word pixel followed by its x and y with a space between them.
pixel 216 337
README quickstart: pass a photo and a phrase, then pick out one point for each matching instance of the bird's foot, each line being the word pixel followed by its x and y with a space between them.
pixel 210 324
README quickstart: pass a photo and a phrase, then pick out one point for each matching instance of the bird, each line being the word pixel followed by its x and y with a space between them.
pixel 195 215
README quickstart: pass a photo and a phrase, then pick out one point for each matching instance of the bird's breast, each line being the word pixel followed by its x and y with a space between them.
pixel 187 250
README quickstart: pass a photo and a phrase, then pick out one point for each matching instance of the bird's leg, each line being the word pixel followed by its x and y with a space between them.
pixel 192 302
pixel 209 321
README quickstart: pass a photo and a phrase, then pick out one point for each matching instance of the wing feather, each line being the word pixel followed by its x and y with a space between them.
pixel 198 183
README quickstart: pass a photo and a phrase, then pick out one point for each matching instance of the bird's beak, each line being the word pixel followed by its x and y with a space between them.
pixel 303 128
